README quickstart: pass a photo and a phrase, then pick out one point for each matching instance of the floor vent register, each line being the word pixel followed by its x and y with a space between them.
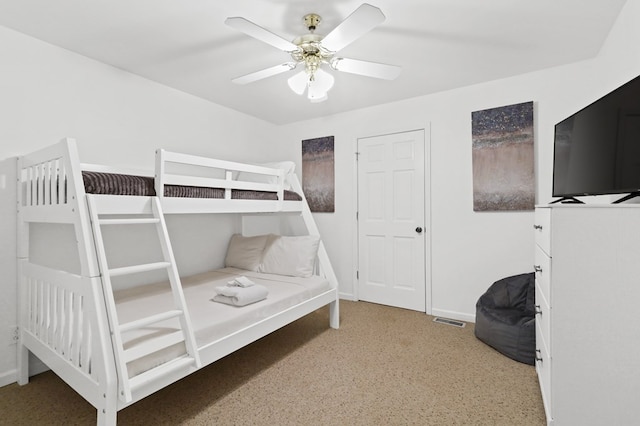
pixel 448 321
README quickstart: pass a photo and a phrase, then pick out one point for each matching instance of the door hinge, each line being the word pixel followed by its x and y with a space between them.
pixel 357 215
pixel 357 275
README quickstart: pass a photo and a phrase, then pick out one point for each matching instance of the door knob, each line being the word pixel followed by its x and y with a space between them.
pixel 419 230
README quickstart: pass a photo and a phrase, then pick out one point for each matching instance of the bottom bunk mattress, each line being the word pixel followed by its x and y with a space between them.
pixel 210 320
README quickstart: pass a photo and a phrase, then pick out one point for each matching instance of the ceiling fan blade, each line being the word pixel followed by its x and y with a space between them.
pixel 369 69
pixel 360 22
pixel 259 33
pixel 267 72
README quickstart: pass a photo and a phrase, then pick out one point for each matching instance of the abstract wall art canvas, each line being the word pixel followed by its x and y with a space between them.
pixel 503 158
pixel 318 174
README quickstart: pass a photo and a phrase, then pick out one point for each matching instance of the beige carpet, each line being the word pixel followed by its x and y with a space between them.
pixel 385 366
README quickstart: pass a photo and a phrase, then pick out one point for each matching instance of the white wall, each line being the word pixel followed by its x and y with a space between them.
pixel 118 118
pixel 48 93
pixel 469 250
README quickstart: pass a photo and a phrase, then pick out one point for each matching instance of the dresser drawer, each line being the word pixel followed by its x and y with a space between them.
pixel 543 319
pixel 543 368
pixel 542 229
pixel 542 268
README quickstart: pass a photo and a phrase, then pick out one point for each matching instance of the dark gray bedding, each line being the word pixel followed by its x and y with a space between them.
pixel 119 184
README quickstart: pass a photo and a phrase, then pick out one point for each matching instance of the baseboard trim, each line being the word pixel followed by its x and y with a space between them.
pixel 35 367
pixel 8 377
pixel 454 315
pixel 346 296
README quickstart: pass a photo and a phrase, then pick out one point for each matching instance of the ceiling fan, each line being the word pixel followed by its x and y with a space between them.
pixel 314 50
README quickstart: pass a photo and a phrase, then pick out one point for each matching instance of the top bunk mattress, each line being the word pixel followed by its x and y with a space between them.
pixel 211 320
pixel 122 184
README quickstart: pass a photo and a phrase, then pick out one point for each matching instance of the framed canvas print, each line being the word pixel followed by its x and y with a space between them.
pixel 318 174
pixel 503 158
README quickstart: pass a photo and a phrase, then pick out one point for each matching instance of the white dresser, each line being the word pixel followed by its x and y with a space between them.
pixel 587 262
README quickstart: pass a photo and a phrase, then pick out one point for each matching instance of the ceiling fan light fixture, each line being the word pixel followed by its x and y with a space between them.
pixel 298 83
pixel 322 98
pixel 319 84
pixel 316 94
pixel 321 80
pixel 316 84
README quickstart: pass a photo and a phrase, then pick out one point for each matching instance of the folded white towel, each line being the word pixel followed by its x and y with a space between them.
pixel 241 282
pixel 240 296
pixel 228 291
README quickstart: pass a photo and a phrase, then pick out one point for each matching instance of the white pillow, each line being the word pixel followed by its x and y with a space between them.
pixel 288 167
pixel 292 256
pixel 245 252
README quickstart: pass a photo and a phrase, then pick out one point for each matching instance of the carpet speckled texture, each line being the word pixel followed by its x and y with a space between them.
pixel 384 366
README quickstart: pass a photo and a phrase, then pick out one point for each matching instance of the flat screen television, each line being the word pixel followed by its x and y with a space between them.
pixel 597 149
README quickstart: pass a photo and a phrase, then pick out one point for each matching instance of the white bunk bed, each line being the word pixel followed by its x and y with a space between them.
pixel 76 323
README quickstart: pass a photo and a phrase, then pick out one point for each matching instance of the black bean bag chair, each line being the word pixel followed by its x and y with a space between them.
pixel 505 317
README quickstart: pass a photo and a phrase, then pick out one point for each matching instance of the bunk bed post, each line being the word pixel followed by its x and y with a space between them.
pixel 108 416
pixel 325 265
pixel 87 253
pixel 107 410
pixel 22 351
pixel 82 225
pixel 159 174
pixel 228 176
pixel 281 188
pixel 22 254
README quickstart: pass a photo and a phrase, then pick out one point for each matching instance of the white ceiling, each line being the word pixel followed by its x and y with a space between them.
pixel 440 44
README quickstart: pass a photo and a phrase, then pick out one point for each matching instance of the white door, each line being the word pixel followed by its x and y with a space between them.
pixel 391 220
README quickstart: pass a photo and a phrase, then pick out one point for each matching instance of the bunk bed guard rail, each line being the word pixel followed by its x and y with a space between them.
pixel 191 170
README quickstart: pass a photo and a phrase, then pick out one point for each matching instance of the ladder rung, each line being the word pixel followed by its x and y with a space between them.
pixel 132 221
pixel 143 322
pixel 160 371
pixel 153 345
pixel 125 270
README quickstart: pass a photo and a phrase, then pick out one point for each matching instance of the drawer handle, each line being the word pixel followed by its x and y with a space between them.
pixel 538 355
pixel 537 227
pixel 538 310
pixel 537 268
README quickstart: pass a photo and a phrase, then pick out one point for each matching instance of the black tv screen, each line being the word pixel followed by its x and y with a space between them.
pixel 597 149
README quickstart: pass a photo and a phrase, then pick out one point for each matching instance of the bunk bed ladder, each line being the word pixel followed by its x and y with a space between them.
pixel 128 385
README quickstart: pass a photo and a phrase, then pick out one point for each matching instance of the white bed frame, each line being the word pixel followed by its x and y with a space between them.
pixel 69 320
